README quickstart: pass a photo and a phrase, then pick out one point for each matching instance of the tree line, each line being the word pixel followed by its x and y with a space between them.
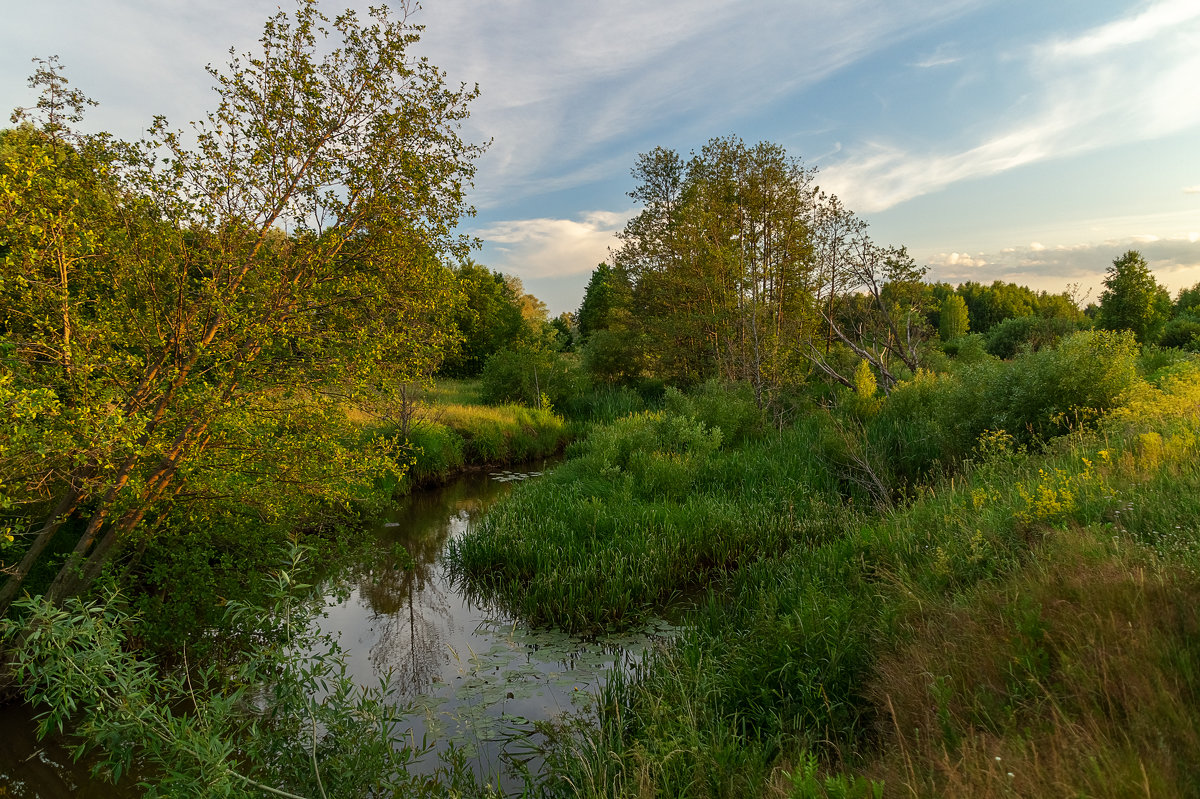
pixel 740 268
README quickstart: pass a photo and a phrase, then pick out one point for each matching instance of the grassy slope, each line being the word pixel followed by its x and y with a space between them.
pixel 451 430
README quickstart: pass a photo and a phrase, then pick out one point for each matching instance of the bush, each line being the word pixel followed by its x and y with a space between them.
pixel 530 377
pixel 662 433
pixel 1182 333
pixel 1050 391
pixel 613 356
pixel 1032 333
pixel 729 407
pixel 968 349
pixel 935 419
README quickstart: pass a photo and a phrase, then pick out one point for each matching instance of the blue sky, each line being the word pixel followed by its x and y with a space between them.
pixel 1025 141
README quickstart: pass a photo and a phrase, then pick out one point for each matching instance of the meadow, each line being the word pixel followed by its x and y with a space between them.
pixel 1012 619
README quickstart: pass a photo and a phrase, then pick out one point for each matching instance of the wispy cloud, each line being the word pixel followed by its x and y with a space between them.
pixel 1191 189
pixel 569 84
pixel 1139 28
pixel 944 55
pixel 135 57
pixel 544 247
pixel 1130 80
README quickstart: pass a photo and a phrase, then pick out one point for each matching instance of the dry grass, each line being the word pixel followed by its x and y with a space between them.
pixel 1080 676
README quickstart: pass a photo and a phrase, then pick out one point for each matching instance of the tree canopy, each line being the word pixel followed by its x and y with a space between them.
pixel 1132 299
pixel 162 303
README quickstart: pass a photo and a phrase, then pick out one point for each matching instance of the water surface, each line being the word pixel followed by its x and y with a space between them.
pixel 474 676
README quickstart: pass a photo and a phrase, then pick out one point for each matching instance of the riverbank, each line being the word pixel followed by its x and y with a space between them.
pixel 1018 625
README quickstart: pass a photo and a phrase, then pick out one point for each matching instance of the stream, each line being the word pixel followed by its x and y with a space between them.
pixel 469 675
pixel 475 677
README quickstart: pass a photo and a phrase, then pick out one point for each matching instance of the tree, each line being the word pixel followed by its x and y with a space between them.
pixel 566 331
pixel 297 244
pixel 953 321
pixel 489 316
pixel 990 305
pixel 1132 298
pixel 882 314
pixel 604 295
pixel 719 263
pixel 1188 302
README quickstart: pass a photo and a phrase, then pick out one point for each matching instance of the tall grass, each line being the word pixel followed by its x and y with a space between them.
pixel 649 507
pixel 445 439
pixel 1034 616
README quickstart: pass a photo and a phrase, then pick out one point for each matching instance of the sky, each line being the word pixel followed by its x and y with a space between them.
pixel 1018 140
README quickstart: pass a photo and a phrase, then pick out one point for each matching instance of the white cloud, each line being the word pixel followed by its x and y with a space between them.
pixel 1132 80
pixel 1191 189
pixel 942 56
pixel 1175 262
pixel 957 260
pixel 1143 27
pixel 540 248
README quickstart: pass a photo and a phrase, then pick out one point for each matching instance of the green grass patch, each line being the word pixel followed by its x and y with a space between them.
pixel 445 439
pixel 1039 609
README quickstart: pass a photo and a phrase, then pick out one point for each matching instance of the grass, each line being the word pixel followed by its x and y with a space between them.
pixel 1032 614
pixel 450 429
pixel 445 439
pixel 650 508
pixel 450 391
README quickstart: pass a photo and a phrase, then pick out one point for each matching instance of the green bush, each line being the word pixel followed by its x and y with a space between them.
pixel 728 407
pixel 968 349
pixel 937 419
pixel 1050 391
pixel 1182 333
pixel 531 376
pixel 613 356
pixel 1008 338
pixel 660 433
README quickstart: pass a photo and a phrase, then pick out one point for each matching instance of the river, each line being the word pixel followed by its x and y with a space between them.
pixel 470 675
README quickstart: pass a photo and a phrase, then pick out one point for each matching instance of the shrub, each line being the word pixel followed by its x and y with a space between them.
pixel 1182 333
pixel 1040 394
pixel 728 407
pixel 613 356
pixel 531 376
pixel 1033 333
pixel 1049 391
pixel 968 349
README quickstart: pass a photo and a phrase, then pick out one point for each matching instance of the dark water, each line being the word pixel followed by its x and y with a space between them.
pixel 31 768
pixel 470 676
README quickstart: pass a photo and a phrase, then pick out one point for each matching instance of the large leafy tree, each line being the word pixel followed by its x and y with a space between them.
pixel 1132 298
pixel 163 302
pixel 720 262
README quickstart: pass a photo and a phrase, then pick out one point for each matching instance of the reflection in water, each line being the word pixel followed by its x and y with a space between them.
pixel 33 769
pixel 472 676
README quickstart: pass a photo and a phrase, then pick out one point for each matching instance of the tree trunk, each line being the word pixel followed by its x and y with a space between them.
pixel 62 511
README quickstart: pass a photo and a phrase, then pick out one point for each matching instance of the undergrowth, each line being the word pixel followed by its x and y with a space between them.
pixel 1021 626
